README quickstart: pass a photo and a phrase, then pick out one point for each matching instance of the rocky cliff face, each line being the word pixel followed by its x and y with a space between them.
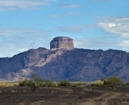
pixel 62 43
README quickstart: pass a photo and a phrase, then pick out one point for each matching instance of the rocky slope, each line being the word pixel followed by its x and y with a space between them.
pixel 60 64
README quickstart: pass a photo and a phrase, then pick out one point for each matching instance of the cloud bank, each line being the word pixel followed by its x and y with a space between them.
pixel 6 5
pixel 115 25
pixel 70 5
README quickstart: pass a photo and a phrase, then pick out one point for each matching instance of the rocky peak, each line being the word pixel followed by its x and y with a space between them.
pixel 62 43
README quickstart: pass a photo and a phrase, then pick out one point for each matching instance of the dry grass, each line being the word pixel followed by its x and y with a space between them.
pixel 8 84
pixel 97 82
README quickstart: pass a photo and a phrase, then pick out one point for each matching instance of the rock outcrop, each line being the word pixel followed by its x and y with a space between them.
pixel 62 43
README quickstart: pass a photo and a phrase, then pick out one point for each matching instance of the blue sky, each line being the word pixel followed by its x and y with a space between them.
pixel 93 24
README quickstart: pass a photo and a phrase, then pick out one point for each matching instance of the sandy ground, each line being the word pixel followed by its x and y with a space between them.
pixel 63 96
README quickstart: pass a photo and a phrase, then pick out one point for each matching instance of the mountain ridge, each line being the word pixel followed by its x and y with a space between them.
pixel 64 62
pixel 60 64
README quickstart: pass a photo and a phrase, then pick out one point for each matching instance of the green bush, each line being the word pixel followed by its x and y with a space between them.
pixel 50 84
pixel 8 84
pixel 27 83
pixel 40 83
pixel 113 81
pixel 64 83
pixel 36 79
pixel 77 84
pixel 97 83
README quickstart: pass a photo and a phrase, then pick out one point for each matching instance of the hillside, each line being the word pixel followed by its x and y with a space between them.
pixel 60 64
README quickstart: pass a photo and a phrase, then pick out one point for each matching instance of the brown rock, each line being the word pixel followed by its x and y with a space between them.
pixel 62 43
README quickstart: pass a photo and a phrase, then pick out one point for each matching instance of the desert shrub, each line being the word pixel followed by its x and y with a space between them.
pixel 50 83
pixel 8 84
pixel 113 81
pixel 77 84
pixel 64 83
pixel 103 78
pixel 36 79
pixel 97 83
pixel 40 84
pixel 27 83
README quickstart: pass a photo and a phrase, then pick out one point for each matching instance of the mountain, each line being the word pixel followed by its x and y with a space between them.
pixel 66 63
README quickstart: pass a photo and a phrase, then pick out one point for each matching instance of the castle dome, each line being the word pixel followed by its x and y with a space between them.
pixel 62 43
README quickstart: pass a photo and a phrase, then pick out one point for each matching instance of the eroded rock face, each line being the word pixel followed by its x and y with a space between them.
pixel 62 43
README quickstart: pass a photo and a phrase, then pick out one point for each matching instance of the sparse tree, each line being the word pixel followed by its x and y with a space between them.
pixel 113 82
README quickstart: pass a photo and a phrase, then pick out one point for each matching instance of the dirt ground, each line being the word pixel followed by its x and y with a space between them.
pixel 64 96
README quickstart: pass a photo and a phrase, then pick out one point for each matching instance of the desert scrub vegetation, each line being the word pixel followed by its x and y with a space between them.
pixel 8 84
pixel 26 82
pixel 113 82
pixel 42 83
pixel 96 83
pixel 64 83
pixel 77 84
pixel 72 84
pixel 48 83
pixel 37 82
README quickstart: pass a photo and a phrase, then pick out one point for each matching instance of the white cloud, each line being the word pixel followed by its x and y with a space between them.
pixel 101 43
pixel 7 31
pixel 124 43
pixel 6 5
pixel 73 13
pixel 14 41
pixel 72 29
pixel 57 16
pixel 96 43
pixel 115 25
pixel 70 5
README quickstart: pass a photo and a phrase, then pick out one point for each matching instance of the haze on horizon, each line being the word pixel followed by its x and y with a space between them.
pixel 93 24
